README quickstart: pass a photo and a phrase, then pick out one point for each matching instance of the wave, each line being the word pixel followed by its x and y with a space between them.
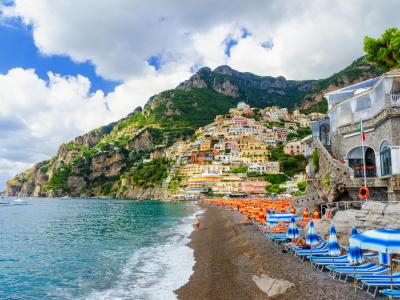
pixel 154 272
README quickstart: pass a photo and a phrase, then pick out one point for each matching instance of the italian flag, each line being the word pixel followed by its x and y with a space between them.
pixel 362 132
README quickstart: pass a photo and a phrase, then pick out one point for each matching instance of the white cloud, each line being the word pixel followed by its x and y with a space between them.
pixel 311 38
pixel 36 116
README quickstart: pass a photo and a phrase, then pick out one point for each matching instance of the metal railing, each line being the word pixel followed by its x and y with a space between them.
pixel 395 98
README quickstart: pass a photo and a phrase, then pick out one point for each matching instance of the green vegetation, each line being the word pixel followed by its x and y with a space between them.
pixel 276 178
pixel 59 180
pixel 174 183
pixel 45 168
pixel 289 164
pixel 301 133
pixel 384 51
pixel 326 180
pixel 302 185
pixel 315 160
pixel 236 170
pixel 320 107
pixel 274 189
pixel 150 174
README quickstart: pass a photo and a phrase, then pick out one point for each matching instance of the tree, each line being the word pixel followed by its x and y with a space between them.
pixel 384 51
pixel 274 189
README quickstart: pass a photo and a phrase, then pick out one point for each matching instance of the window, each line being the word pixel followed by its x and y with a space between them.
pixel 386 159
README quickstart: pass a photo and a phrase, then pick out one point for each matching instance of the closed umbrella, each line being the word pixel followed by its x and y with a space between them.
pixel 354 255
pixel 312 238
pixel 293 231
pixel 334 248
pixel 383 240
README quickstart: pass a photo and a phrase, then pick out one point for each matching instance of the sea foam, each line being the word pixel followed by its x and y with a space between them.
pixel 155 272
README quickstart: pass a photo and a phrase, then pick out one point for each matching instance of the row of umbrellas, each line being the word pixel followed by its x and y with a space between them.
pixel 385 241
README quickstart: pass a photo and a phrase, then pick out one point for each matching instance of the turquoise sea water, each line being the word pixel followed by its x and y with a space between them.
pixel 94 249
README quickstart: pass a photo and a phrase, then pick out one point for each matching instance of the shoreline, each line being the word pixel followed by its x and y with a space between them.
pixel 228 254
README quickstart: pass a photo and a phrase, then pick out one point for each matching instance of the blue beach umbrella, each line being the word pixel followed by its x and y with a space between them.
pixel 293 231
pixel 354 255
pixel 333 245
pixel 385 240
pixel 353 231
pixel 311 238
pixel 334 248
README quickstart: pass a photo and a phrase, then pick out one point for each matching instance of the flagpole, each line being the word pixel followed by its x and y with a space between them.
pixel 363 150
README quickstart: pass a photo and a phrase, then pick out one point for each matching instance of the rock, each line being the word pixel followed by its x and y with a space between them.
pixel 270 286
pixel 392 211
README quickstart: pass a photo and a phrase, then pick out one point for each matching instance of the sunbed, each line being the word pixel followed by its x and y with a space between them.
pixel 391 293
pixel 335 269
pixel 361 278
pixel 377 284
pixel 318 248
pixel 372 271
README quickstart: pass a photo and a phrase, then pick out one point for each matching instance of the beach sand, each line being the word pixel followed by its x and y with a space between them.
pixel 229 254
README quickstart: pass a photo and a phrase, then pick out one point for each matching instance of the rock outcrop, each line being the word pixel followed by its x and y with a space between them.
pixel 372 215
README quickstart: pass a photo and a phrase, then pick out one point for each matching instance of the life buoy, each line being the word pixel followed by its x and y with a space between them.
pixel 363 192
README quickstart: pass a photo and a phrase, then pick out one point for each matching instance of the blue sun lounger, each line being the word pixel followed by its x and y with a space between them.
pixel 372 271
pixel 334 269
pixel 320 262
pixel 361 278
pixel 391 293
pixel 321 246
pixel 374 285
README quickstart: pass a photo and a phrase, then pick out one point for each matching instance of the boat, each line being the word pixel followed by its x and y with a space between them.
pixel 4 203
pixel 20 202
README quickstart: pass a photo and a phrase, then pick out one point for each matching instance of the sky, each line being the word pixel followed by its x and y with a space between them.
pixel 69 66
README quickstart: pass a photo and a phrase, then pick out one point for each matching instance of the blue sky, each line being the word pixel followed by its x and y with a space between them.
pixel 19 50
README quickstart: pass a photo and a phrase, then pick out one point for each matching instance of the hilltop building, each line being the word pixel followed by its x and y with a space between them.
pixel 376 104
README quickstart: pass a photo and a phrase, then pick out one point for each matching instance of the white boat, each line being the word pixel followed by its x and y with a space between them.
pixel 20 202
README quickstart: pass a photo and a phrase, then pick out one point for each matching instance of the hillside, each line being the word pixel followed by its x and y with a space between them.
pixel 93 164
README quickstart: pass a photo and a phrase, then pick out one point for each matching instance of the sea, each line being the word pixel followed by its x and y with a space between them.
pixel 94 248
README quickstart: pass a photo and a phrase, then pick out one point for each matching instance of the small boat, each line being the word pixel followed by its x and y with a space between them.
pixel 4 203
pixel 20 202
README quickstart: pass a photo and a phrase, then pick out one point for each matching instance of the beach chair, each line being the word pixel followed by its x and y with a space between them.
pixel 372 271
pixel 321 246
pixel 391 293
pixel 373 286
pixel 334 269
pixel 320 262
pixel 361 278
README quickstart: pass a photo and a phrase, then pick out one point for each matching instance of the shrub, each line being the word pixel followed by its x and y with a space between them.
pixel 315 160
pixel 302 185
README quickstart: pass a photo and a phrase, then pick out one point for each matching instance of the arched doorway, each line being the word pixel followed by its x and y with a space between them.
pixel 355 161
pixel 386 159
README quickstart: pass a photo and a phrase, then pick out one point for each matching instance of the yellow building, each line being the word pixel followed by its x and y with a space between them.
pixel 203 181
pixel 191 170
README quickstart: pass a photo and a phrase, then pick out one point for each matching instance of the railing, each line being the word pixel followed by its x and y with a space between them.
pixel 395 98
